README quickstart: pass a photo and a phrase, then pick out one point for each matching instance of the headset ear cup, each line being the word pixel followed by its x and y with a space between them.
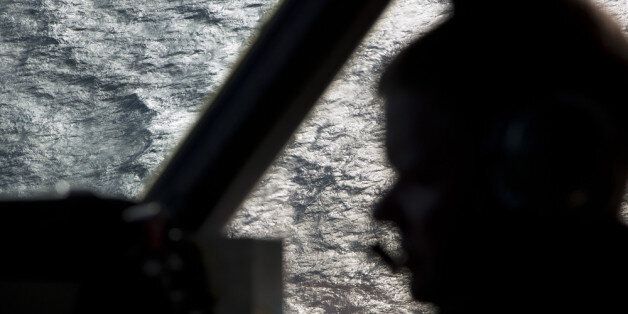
pixel 514 168
pixel 552 158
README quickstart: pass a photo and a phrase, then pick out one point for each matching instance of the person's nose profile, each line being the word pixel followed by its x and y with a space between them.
pixel 408 204
pixel 386 209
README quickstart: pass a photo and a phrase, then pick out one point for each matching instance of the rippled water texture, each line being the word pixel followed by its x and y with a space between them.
pixel 97 92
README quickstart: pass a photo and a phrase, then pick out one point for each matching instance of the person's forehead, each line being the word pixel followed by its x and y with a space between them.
pixel 406 99
pixel 418 112
pixel 413 125
pixel 424 130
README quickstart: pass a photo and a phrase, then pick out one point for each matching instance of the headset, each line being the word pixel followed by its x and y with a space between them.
pixel 559 155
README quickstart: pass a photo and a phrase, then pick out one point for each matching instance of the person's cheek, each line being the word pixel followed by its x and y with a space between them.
pixel 417 202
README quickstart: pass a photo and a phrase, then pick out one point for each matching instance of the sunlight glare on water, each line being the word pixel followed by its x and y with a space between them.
pixel 95 94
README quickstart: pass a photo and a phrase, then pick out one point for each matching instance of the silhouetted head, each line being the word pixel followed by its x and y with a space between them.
pixel 506 127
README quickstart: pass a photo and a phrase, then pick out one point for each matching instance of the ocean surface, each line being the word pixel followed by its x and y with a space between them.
pixel 97 93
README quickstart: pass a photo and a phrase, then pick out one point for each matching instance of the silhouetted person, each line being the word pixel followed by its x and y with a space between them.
pixel 506 126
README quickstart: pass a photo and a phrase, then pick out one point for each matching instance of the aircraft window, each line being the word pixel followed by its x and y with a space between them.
pixel 96 93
